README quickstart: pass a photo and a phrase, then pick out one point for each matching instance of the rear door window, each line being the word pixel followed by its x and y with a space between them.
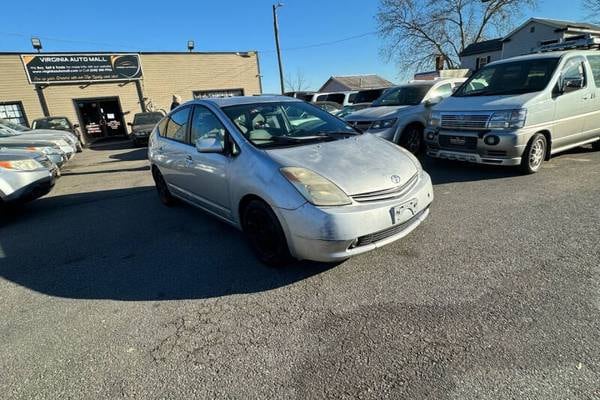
pixel 595 65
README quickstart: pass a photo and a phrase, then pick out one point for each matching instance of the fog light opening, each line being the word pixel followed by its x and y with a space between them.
pixel 431 136
pixel 491 140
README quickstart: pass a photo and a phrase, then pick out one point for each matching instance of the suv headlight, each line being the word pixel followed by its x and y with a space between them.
pixel 21 165
pixel 510 119
pixel 315 189
pixel 435 119
pixel 384 123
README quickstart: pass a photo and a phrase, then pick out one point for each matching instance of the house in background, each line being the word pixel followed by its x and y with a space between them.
pixel 357 82
pixel 525 39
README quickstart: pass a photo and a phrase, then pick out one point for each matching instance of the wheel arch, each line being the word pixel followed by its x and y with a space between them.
pixel 418 123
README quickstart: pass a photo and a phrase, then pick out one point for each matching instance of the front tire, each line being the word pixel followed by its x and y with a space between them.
pixel 412 139
pixel 162 188
pixel 265 235
pixel 534 154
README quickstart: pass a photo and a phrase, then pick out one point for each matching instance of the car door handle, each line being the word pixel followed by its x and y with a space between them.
pixel 188 160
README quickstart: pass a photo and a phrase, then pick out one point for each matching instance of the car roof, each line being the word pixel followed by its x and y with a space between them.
pixel 241 100
pixel 52 117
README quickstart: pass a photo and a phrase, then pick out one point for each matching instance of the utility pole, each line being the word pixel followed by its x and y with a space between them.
pixel 276 27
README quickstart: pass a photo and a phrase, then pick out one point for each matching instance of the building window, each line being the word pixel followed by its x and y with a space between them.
pixel 13 112
pixel 532 29
pixel 482 62
pixel 207 94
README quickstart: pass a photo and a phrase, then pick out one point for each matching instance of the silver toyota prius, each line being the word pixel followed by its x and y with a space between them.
pixel 296 180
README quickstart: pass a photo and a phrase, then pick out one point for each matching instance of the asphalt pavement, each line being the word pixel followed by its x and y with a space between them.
pixel 105 294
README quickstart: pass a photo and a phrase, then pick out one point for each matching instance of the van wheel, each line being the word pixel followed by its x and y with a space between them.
pixel 412 139
pixel 162 188
pixel 534 154
pixel 265 235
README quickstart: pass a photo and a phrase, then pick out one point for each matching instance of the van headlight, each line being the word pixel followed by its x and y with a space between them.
pixel 21 165
pixel 509 119
pixel 435 119
pixel 315 189
pixel 384 123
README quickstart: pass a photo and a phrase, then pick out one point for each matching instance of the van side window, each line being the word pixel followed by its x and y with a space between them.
pixel 574 69
pixel 595 64
pixel 177 125
pixel 444 90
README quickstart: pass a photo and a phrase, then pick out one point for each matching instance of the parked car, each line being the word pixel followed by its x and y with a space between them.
pixel 369 95
pixel 349 109
pixel 342 98
pixel 58 124
pixel 319 190
pixel 142 125
pixel 306 96
pixel 400 114
pixel 520 111
pixel 25 176
pixel 329 106
pixel 52 150
pixel 66 140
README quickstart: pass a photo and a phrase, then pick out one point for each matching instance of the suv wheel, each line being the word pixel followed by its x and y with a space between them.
pixel 535 154
pixel 265 235
pixel 412 139
pixel 162 188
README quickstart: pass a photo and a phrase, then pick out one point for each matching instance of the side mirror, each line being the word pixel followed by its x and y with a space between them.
pixel 209 145
pixel 75 126
pixel 571 84
pixel 130 123
pixel 433 101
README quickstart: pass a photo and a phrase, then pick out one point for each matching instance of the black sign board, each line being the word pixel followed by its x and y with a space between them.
pixel 61 68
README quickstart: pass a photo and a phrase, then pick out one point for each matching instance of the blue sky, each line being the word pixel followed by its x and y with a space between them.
pixel 221 26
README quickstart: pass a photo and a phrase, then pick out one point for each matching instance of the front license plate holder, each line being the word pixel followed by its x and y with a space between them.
pixel 404 211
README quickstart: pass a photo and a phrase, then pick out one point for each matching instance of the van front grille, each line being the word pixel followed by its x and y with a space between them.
pixel 465 121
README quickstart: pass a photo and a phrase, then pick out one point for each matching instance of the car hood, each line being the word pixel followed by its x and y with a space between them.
pixel 375 113
pixel 138 128
pixel 17 141
pixel 486 103
pixel 51 132
pixel 360 164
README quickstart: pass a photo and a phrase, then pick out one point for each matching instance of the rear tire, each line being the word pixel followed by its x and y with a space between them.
pixel 534 155
pixel 162 188
pixel 412 139
pixel 265 235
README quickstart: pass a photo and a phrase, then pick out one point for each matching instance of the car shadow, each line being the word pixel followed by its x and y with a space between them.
pixel 133 155
pixel 125 245
pixel 110 143
pixel 448 171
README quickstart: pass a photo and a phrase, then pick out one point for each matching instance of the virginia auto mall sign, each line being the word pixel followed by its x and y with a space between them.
pixel 63 68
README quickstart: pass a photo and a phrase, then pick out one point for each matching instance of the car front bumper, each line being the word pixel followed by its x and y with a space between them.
pixel 508 150
pixel 330 234
pixel 32 191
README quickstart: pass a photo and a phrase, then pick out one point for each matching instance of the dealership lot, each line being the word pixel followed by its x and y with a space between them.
pixel 105 293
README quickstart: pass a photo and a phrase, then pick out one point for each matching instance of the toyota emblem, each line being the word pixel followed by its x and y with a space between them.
pixel 396 179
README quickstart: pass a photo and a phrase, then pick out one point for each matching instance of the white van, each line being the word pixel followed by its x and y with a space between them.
pixel 342 98
pixel 520 111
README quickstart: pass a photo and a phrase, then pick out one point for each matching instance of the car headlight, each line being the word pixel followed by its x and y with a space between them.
pixel 315 189
pixel 435 119
pixel 509 119
pixel 21 165
pixel 384 123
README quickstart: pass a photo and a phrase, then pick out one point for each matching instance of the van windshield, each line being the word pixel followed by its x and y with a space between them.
pixel 510 78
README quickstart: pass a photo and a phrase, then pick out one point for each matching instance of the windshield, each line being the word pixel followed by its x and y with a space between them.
pixel 286 124
pixel 368 96
pixel 13 125
pixel 5 131
pixel 509 78
pixel 53 123
pixel 403 96
pixel 147 119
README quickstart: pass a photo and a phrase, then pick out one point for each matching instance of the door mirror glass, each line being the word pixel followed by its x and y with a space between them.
pixel 209 145
pixel 572 84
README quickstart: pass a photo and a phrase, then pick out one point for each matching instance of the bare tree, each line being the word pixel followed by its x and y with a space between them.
pixel 592 6
pixel 297 82
pixel 418 31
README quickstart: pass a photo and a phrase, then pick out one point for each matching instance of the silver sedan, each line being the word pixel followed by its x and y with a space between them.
pixel 299 182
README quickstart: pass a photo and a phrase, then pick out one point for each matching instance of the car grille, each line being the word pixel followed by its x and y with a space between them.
pixel 463 121
pixel 388 194
pixel 458 142
pixel 387 233
pixel 361 125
